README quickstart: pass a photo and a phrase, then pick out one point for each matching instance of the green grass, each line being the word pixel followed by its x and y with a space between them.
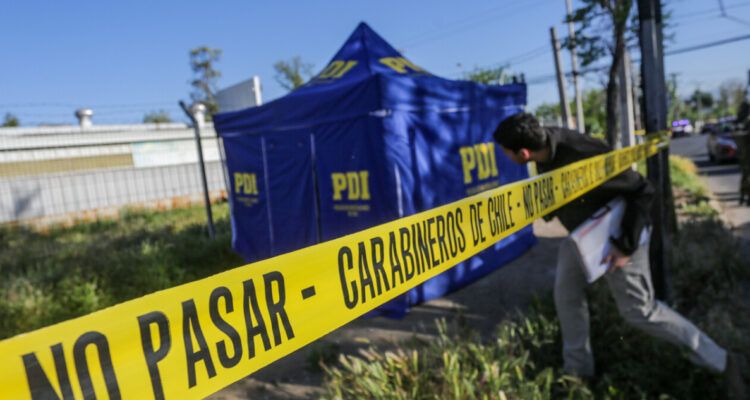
pixel 51 277
pixel 458 364
pixel 522 361
pixel 683 173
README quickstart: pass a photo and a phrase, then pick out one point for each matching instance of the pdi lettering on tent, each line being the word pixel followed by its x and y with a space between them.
pixel 373 138
pixel 194 339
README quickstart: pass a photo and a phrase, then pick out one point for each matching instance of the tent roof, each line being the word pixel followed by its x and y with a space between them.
pixel 365 75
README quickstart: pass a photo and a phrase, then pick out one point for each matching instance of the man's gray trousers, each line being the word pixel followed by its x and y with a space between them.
pixel 634 294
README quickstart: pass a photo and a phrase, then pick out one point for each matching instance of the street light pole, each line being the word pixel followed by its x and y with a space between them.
pixel 196 126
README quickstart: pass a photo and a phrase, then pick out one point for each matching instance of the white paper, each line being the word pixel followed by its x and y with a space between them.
pixel 592 237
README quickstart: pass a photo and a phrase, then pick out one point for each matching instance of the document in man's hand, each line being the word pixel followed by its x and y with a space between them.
pixel 592 238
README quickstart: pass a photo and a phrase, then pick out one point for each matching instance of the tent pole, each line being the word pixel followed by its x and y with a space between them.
pixel 201 164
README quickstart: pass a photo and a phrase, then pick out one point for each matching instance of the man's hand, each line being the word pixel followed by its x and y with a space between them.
pixel 617 258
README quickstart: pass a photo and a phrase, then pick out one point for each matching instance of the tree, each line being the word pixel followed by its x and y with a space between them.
pixel 604 29
pixel 293 73
pixel 674 103
pixel 698 103
pixel 488 76
pixel 10 120
pixel 548 113
pixel 731 94
pixel 156 117
pixel 700 100
pixel 202 61
pixel 594 111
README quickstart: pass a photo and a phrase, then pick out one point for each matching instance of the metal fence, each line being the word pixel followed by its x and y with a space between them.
pixel 69 172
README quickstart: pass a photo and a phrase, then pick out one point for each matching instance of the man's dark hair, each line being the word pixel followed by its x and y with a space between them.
pixel 521 131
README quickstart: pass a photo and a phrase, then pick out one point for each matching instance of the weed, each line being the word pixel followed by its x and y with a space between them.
pixel 524 359
pixel 683 173
pixel 700 210
pixel 49 277
pixel 459 366
pixel 321 353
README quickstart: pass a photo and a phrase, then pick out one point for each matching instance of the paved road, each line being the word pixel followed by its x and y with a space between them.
pixel 722 179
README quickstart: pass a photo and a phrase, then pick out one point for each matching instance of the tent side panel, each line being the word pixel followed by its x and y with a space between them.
pixel 291 189
pixel 357 188
pixel 248 197
pixel 452 155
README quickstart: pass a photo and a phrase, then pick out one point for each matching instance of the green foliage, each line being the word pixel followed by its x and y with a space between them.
pixel 603 30
pixel 709 266
pixel 700 100
pixel 683 174
pixel 701 209
pixel 731 94
pixel 50 277
pixel 10 120
pixel 677 109
pixel 596 21
pixel 488 76
pixel 459 365
pixel 634 365
pixel 293 73
pixel 203 61
pixel 547 112
pixel 524 359
pixel 594 111
pixel 157 117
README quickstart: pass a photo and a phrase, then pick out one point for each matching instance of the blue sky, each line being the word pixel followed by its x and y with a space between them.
pixel 125 59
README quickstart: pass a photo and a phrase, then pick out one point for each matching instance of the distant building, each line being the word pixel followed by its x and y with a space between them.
pixel 62 173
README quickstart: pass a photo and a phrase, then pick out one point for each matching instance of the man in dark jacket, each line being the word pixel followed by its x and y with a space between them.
pixel 629 278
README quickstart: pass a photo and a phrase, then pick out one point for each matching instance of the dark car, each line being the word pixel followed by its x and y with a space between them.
pixel 721 145
pixel 708 128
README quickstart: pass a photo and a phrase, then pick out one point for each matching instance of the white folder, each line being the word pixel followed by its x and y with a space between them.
pixel 592 237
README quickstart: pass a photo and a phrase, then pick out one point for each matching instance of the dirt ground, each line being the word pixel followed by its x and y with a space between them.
pixel 483 304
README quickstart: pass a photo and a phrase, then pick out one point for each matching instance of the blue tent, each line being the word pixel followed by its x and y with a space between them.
pixel 372 138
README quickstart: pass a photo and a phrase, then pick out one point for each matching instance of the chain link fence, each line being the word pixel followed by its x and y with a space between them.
pixel 61 174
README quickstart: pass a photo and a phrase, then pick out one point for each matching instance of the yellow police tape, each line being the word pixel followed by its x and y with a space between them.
pixel 192 340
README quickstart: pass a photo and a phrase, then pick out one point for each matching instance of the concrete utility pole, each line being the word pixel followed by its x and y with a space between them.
pixel 626 103
pixel 564 104
pixel 574 61
pixel 654 92
pixel 634 84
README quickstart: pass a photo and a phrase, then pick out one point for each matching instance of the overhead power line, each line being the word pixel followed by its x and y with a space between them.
pixel 729 17
pixel 517 59
pixel 709 11
pixel 706 45
pixel 488 16
pixel 544 78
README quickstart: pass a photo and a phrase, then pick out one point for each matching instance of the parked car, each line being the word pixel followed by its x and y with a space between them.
pixel 681 128
pixel 721 145
pixel 708 128
pixel 681 131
